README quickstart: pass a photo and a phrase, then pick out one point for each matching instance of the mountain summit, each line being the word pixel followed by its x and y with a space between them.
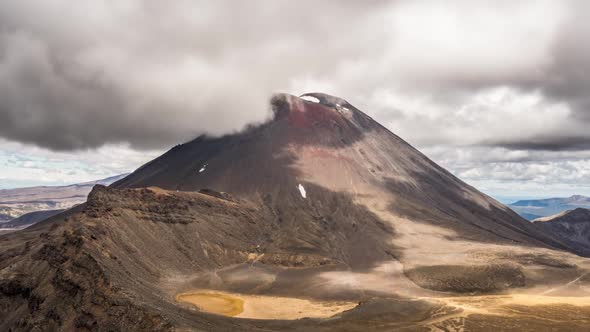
pixel 325 146
pixel 319 209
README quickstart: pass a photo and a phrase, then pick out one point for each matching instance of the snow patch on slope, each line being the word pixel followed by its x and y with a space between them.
pixel 310 99
pixel 302 191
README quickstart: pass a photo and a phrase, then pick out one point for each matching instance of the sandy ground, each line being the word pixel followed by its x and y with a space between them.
pixel 493 304
pixel 262 307
pixel 541 308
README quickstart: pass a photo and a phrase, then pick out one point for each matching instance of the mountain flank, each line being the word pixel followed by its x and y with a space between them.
pixel 571 227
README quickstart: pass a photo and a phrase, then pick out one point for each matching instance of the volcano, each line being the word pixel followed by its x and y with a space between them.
pixel 320 207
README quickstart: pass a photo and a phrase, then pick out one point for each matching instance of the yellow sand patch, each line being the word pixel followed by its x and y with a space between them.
pixel 261 307
pixel 216 303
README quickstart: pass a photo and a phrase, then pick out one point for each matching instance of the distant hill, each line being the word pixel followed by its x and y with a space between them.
pixel 529 216
pixel 571 227
pixel 5 214
pixel 537 208
pixel 19 201
pixel 29 219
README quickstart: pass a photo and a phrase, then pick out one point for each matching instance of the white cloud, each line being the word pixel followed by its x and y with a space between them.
pixel 26 165
pixel 502 172
pixel 489 116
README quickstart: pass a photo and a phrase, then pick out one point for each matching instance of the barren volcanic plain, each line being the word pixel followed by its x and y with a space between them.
pixel 317 220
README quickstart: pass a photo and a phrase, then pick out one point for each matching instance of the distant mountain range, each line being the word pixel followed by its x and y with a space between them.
pixel 20 201
pixel 537 208
pixel 572 227
pixel 28 219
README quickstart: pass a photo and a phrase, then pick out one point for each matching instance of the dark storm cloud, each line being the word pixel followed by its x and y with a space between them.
pixel 81 75
pixel 566 79
pixel 153 74
pixel 575 143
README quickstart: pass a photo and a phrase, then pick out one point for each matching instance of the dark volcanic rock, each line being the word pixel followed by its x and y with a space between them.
pixel 468 279
pixel 217 194
pixel 570 227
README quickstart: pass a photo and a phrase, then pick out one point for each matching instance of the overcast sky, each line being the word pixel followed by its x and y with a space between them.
pixel 495 91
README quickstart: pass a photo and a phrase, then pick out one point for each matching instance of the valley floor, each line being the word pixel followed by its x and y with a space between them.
pixel 514 312
pixel 262 307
